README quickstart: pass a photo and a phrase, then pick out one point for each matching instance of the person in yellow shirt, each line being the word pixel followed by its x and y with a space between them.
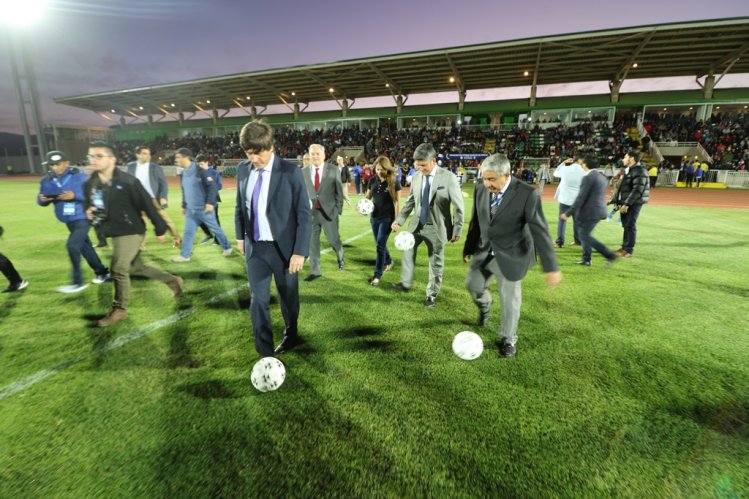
pixel 653 174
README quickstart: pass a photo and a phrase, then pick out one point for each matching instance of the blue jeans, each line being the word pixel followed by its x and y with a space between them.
pixel 590 243
pixel 193 218
pixel 381 230
pixel 562 226
pixel 629 222
pixel 79 244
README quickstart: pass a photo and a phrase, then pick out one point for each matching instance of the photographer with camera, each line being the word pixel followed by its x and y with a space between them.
pixel 115 200
pixel 15 283
pixel 63 187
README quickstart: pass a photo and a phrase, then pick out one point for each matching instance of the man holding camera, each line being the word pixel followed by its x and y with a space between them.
pixel 63 187
pixel 115 200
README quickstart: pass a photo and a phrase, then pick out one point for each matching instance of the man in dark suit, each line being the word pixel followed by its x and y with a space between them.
pixel 326 192
pixel 433 191
pixel 507 229
pixel 588 209
pixel 151 176
pixel 273 224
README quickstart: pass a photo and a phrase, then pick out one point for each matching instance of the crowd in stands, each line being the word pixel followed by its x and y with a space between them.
pixel 725 137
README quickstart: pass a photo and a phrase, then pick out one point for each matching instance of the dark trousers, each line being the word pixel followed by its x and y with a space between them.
pixel 562 226
pixel 80 245
pixel 590 243
pixel 205 228
pixel 629 222
pixel 690 177
pixel 9 271
pixel 357 184
pixel 381 230
pixel 653 180
pixel 265 262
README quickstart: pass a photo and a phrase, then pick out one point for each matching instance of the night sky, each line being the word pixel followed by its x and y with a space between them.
pixel 90 46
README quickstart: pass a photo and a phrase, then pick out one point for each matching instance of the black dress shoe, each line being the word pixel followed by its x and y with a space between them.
pixel 429 302
pixel 340 265
pixel 312 277
pixel 484 318
pixel 288 343
pixel 507 350
pixel 400 287
pixel 583 262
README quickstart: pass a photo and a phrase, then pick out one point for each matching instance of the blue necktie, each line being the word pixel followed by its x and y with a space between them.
pixel 255 197
pixel 424 215
pixel 496 199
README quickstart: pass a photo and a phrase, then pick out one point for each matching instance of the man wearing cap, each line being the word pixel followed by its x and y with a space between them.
pixel 199 199
pixel 151 176
pixel 117 201
pixel 588 209
pixel 570 172
pixel 63 187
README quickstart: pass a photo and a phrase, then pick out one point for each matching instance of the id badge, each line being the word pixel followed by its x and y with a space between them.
pixel 68 209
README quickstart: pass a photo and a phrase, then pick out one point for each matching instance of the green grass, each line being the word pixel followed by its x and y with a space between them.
pixel 630 382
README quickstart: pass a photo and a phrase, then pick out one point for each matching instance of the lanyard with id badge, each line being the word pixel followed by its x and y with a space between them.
pixel 68 208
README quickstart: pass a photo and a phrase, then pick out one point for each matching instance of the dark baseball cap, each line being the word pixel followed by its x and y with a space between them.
pixel 185 152
pixel 54 157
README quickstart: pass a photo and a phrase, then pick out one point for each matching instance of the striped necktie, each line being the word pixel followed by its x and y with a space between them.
pixel 496 199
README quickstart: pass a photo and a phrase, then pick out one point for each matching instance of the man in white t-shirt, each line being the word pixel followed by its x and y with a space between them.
pixel 570 174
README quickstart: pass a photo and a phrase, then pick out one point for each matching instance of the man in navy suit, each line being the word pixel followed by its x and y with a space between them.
pixel 507 229
pixel 273 224
pixel 588 209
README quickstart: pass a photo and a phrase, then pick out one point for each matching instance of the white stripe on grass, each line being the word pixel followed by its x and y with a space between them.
pixel 38 376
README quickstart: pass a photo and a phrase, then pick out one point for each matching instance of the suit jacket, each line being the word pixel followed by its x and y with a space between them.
pixel 288 208
pixel 589 203
pixel 330 194
pixel 444 191
pixel 516 232
pixel 157 178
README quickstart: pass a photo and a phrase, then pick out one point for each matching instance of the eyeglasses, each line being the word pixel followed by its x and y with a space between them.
pixel 98 156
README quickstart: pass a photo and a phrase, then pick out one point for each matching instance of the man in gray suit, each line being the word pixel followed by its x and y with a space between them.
pixel 507 229
pixel 152 178
pixel 588 209
pixel 326 194
pixel 272 223
pixel 433 190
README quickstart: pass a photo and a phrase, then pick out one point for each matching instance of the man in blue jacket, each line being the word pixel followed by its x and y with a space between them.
pixel 199 200
pixel 63 187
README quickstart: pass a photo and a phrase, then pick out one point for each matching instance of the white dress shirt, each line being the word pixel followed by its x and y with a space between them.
pixel 141 173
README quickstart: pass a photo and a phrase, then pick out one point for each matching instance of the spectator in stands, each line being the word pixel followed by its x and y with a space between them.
pixel 632 194
pixel 433 190
pixel 199 201
pixel 210 170
pixel 152 178
pixel 326 193
pixel 383 191
pixel 589 209
pixel 117 200
pixel 570 174
pixel 63 187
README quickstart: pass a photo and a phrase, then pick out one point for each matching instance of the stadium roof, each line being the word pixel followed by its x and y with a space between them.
pixel 679 49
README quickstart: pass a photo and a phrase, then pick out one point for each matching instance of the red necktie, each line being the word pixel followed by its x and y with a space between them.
pixel 317 184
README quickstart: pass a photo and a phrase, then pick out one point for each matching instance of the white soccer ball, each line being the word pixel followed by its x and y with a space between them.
pixel 404 241
pixel 468 345
pixel 268 374
pixel 365 206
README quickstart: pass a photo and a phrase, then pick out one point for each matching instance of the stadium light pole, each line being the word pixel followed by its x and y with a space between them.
pixel 16 16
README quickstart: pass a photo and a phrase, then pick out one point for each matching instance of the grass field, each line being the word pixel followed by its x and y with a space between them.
pixel 631 382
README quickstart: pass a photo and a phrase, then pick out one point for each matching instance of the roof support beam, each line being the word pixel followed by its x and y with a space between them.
pixel 731 58
pixel 615 84
pixel 458 82
pixel 534 86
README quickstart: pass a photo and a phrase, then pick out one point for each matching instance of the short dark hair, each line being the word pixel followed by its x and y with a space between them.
pixel 256 136
pixel 591 161
pixel 103 145
pixel 140 148
pixel 200 158
pixel 635 154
